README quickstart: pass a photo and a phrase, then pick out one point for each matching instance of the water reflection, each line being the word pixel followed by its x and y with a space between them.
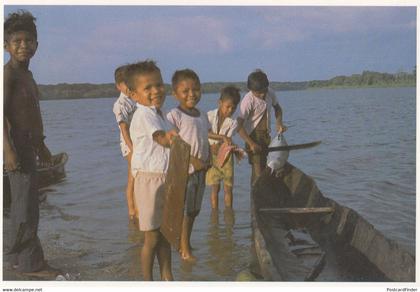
pixel 136 239
pixel 221 246
pixel 94 188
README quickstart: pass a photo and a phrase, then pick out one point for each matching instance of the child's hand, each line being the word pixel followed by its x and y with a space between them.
pixel 227 140
pixel 45 158
pixel 198 164
pixel 280 127
pixel 170 135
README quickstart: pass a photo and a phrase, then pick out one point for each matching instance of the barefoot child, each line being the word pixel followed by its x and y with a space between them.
pixel 124 109
pixel 193 127
pixel 23 142
pixel 222 124
pixel 255 118
pixel 151 135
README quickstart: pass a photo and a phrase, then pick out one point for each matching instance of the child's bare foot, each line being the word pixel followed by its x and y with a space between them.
pixel 167 277
pixel 187 256
pixel 47 272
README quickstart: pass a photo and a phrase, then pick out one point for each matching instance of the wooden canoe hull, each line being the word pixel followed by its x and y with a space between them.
pixel 356 251
pixel 46 176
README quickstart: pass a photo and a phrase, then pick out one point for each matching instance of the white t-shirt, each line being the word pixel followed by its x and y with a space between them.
pixel 228 128
pixel 194 131
pixel 252 109
pixel 148 156
pixel 123 109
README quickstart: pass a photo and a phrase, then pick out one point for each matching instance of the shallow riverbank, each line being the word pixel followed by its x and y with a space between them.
pixel 367 161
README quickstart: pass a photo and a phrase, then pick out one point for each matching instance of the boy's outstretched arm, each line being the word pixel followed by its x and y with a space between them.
pixel 125 131
pixel 199 164
pixel 279 118
pixel 255 148
pixel 221 138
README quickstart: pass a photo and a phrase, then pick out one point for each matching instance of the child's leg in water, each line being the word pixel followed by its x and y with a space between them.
pixel 185 244
pixel 148 251
pixel 131 205
pixel 257 169
pixel 215 196
pixel 228 196
pixel 164 258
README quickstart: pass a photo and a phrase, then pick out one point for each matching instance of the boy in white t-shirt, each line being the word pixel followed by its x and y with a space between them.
pixel 254 120
pixel 123 109
pixel 194 128
pixel 152 135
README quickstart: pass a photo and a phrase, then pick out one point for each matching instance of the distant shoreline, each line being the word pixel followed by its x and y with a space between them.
pixel 367 79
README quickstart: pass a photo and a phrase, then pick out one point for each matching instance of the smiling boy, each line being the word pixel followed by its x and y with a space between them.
pixel 151 134
pixel 193 127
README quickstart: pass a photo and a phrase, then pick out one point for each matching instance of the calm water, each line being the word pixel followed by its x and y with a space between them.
pixel 366 161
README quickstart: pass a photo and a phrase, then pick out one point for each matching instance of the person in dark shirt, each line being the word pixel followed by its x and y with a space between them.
pixel 23 143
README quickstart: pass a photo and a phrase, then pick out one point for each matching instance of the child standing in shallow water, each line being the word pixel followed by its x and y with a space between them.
pixel 151 134
pixel 124 109
pixel 222 124
pixel 193 127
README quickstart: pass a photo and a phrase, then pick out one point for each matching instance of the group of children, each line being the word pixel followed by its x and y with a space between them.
pixel 147 133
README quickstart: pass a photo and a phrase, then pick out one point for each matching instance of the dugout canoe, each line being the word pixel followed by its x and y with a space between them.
pixel 300 235
pixel 46 176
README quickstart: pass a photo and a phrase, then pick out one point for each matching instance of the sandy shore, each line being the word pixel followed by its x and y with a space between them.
pixel 57 256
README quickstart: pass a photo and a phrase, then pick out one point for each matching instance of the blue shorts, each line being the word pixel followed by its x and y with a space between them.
pixel 195 192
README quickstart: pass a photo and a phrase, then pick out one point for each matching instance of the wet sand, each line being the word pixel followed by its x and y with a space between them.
pixel 57 256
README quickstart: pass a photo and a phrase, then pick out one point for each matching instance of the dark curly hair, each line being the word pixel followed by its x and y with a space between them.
pixel 257 81
pixel 143 67
pixel 20 20
pixel 181 75
pixel 120 74
pixel 232 93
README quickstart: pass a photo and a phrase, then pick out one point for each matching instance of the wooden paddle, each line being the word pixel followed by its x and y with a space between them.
pixel 293 147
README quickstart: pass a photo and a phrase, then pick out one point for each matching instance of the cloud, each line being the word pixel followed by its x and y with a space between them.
pixel 86 43
pixel 108 43
pixel 191 34
pixel 295 24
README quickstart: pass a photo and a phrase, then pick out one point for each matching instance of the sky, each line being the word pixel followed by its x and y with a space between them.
pixel 84 44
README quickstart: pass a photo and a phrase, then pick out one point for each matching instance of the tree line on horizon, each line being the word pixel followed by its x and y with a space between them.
pixel 366 79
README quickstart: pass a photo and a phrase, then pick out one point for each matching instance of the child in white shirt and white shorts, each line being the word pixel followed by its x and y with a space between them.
pixel 151 135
